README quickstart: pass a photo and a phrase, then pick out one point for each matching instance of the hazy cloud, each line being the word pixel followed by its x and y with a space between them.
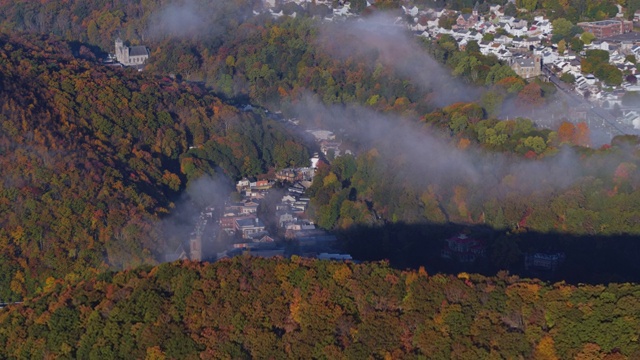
pixel 200 194
pixel 424 157
pixel 378 38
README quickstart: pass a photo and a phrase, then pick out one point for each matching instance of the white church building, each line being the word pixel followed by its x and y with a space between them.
pixel 135 56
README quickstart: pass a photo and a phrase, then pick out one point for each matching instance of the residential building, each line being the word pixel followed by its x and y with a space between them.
pixel 249 226
pixel 543 261
pixel 463 248
pixel 607 28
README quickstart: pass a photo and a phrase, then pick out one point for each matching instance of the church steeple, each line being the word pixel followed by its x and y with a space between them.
pixel 475 9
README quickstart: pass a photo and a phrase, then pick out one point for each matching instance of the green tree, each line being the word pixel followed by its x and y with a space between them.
pixel 576 44
pixel 529 5
pixel 568 78
pixel 472 47
pixel 630 58
pixel 562 47
pixel 587 37
pixel 561 28
pixel 535 143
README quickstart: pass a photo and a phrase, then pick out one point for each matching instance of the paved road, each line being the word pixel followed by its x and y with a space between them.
pixel 601 117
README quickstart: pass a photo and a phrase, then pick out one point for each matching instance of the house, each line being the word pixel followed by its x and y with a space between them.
pixel 297 189
pixel 288 199
pixel 504 54
pixel 135 56
pixel 264 239
pixel 491 48
pixel 486 27
pixel 249 226
pixel 631 118
pixel 288 175
pixel 466 21
pixel 463 249
pixel 298 226
pixel 503 39
pixel 300 206
pixel 599 45
pixel 517 30
pixel 285 218
pixel 249 207
pixel 548 57
pixel 561 66
pixel 581 82
pixel 575 65
pixel 626 45
pixel 242 184
pixel 261 185
pixel 228 223
pixel 636 16
pixel 543 261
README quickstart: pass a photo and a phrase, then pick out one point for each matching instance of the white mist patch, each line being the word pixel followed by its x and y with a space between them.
pixel 184 19
pixel 177 228
pixel 421 157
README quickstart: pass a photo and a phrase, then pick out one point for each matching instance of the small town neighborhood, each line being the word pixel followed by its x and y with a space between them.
pixel 248 223
pixel 527 47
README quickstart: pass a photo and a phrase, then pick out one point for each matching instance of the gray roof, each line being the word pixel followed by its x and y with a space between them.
pixel 528 62
pixel 250 223
pixel 138 51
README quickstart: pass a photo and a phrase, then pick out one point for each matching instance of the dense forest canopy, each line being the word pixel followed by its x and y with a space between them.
pixel 256 308
pixel 92 156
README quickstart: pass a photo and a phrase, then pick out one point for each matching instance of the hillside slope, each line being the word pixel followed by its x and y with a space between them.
pixel 91 157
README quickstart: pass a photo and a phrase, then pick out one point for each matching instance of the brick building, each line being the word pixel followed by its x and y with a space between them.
pixel 607 28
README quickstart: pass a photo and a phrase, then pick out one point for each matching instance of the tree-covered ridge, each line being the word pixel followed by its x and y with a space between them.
pixel 257 308
pixel 91 156
pixel 235 53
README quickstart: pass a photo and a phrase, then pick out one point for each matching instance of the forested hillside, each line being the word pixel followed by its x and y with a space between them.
pixel 256 308
pixel 94 158
pixel 91 156
pixel 518 178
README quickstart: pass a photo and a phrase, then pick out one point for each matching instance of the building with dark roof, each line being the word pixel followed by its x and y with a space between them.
pixel 464 249
pixel 135 56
